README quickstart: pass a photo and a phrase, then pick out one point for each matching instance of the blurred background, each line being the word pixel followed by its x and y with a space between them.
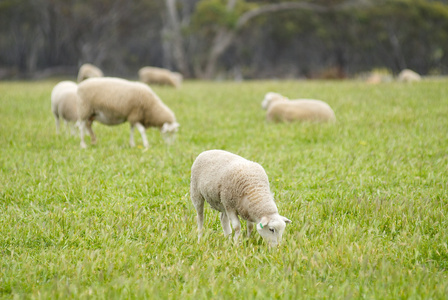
pixel 223 39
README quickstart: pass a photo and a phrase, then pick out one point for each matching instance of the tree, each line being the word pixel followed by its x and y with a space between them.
pixel 225 33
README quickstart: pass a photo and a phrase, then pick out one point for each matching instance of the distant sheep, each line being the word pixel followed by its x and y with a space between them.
pixel 89 71
pixel 64 103
pixel 235 187
pixel 281 109
pixel 113 101
pixel 376 78
pixel 408 76
pixel 153 75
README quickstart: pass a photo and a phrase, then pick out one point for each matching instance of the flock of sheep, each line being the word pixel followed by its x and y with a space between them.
pixel 230 184
pixel 405 75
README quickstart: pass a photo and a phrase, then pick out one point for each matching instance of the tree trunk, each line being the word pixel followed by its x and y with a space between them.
pixel 175 37
pixel 396 48
pixel 221 42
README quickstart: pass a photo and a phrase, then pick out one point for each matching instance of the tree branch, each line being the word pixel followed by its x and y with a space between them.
pixel 270 8
pixel 230 5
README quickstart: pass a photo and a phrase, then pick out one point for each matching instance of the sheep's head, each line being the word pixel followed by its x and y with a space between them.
pixel 271 228
pixel 177 77
pixel 271 98
pixel 168 131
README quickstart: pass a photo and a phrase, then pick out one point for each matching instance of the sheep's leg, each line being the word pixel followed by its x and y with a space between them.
pixel 72 128
pixel 67 127
pixel 250 227
pixel 57 124
pixel 198 202
pixel 88 124
pixel 235 224
pixel 141 129
pixel 82 129
pixel 131 138
pixel 225 222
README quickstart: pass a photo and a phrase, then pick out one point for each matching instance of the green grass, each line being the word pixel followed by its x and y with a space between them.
pixel 368 198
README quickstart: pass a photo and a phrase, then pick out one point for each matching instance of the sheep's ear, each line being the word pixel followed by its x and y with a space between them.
pixel 286 220
pixel 264 221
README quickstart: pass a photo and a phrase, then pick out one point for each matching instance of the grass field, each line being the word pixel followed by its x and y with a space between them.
pixel 368 198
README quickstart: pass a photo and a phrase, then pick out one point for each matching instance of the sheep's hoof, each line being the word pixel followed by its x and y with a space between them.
pixel 83 145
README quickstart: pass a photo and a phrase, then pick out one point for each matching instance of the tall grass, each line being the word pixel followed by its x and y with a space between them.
pixel 368 197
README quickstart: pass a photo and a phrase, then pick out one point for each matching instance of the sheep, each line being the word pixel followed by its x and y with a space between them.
pixel 89 71
pixel 235 187
pixel 64 102
pixel 408 76
pixel 153 75
pixel 376 78
pixel 281 109
pixel 113 101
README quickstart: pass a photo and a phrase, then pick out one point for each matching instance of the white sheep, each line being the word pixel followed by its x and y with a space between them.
pixel 407 75
pixel 281 109
pixel 153 75
pixel 235 187
pixel 113 101
pixel 89 71
pixel 64 103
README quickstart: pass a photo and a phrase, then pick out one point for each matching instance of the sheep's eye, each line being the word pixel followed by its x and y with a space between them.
pixel 272 229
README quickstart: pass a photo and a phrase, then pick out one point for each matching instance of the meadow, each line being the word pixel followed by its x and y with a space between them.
pixel 367 196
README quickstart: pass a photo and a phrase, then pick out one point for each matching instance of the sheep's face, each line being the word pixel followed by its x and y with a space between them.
pixel 272 228
pixel 168 131
pixel 271 98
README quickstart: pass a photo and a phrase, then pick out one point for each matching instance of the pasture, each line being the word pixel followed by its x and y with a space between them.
pixel 368 197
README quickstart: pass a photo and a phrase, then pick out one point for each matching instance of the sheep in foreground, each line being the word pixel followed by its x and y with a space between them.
pixel 113 101
pixel 408 76
pixel 64 102
pixel 89 71
pixel 153 75
pixel 281 109
pixel 235 187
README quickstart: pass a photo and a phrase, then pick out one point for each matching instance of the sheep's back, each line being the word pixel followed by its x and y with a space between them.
pixel 157 75
pixel 62 87
pixel 60 91
pixel 112 94
pixel 89 71
pixel 300 110
pixel 67 107
pixel 222 176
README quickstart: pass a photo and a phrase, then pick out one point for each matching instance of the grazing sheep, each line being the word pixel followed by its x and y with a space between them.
pixel 153 75
pixel 113 101
pixel 408 76
pixel 281 109
pixel 88 71
pixel 376 78
pixel 235 187
pixel 64 102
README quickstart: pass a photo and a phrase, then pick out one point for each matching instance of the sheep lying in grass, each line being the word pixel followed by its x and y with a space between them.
pixel 89 71
pixel 408 76
pixel 235 187
pixel 153 75
pixel 281 109
pixel 113 101
pixel 64 102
